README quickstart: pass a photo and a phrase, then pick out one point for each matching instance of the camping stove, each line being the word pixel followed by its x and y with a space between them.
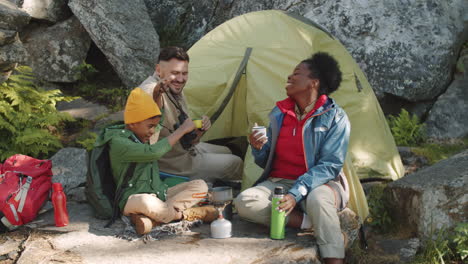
pixel 221 197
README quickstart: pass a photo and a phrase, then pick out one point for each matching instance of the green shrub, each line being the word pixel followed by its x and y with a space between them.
pixel 28 117
pixel 445 246
pixel 113 98
pixel 437 250
pixel 100 88
pixel 87 140
pixel 86 72
pixel 435 152
pixel 379 216
pixel 460 240
pixel 406 129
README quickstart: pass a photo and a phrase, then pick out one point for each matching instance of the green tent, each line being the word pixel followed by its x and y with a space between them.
pixel 239 70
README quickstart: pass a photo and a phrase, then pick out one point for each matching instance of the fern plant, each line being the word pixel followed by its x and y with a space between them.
pixel 28 116
pixel 406 129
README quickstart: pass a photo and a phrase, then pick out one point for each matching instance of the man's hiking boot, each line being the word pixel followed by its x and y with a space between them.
pixel 205 213
pixel 143 224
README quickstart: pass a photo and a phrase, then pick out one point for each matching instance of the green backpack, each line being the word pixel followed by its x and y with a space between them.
pixel 101 191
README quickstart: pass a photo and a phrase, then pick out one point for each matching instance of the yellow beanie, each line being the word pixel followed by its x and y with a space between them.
pixel 140 106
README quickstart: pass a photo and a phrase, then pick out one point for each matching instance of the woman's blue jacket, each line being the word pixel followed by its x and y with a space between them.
pixel 325 142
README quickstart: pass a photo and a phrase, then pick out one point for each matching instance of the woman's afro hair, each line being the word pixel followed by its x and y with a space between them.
pixel 325 68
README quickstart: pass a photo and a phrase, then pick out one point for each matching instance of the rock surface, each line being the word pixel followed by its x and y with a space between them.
pixel 7 36
pixel 42 250
pixel 448 118
pixel 77 194
pixel 110 119
pixel 181 23
pixel 124 33
pixel 432 198
pixel 81 108
pixel 57 52
pixel 11 17
pixel 13 53
pixel 70 166
pixel 50 10
pixel 405 249
pixel 8 246
pixel 405 48
pixel 85 240
pixel 411 161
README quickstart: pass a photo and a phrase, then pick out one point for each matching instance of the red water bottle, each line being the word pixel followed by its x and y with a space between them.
pixel 59 200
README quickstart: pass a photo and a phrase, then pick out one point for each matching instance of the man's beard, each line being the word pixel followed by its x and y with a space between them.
pixel 174 90
pixel 175 93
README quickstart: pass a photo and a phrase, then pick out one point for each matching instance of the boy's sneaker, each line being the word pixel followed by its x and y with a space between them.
pixel 205 213
pixel 143 224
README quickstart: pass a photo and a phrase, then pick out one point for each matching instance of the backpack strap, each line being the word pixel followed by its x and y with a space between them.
pixel 119 193
pixel 23 193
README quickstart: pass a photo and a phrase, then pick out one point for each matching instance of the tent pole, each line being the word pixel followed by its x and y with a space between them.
pixel 232 89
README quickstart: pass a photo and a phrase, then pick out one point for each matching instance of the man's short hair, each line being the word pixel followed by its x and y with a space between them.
pixel 173 52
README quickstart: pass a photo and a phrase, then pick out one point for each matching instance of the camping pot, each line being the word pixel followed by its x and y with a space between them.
pixel 221 195
pixel 221 228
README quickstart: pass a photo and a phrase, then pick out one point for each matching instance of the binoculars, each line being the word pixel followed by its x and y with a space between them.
pixel 186 140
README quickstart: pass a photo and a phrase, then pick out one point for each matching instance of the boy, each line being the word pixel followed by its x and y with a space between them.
pixel 146 199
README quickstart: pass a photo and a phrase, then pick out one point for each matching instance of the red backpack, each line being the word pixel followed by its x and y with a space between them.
pixel 25 184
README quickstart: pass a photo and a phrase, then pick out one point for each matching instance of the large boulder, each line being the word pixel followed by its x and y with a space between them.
pixel 407 49
pixel 11 17
pixel 10 56
pixel 57 52
pixel 448 118
pixel 13 53
pixel 432 198
pixel 7 36
pixel 49 10
pixel 69 166
pixel 124 33
pixel 181 23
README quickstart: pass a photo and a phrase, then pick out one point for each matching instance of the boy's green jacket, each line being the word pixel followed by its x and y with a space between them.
pixel 125 148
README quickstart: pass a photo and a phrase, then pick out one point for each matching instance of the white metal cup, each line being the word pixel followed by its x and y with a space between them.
pixel 260 129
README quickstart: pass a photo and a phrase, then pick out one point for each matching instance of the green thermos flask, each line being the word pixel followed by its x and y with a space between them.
pixel 278 219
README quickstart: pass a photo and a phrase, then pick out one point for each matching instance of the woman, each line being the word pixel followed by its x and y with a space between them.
pixel 304 152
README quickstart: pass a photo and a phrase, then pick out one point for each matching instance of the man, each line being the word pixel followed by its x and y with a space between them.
pixel 189 157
